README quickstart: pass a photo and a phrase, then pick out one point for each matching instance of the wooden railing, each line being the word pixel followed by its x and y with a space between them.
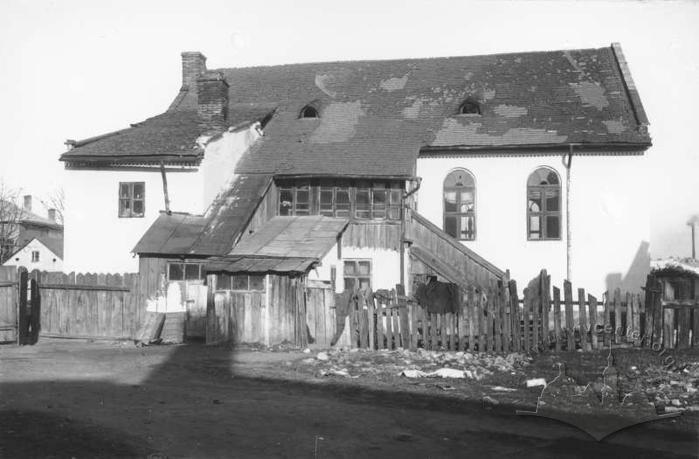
pixel 447 256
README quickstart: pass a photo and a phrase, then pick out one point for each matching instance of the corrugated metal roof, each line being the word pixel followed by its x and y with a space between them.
pixel 233 264
pixel 213 233
pixel 292 237
pixel 171 234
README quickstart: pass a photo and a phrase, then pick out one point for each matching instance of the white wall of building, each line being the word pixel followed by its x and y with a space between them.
pixel 48 261
pixel 608 208
pixel 97 240
pixel 385 266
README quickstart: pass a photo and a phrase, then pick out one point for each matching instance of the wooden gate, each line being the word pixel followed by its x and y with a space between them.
pixel 20 306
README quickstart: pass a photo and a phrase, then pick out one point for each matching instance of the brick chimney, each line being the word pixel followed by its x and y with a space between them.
pixel 28 202
pixel 212 92
pixel 52 214
pixel 193 65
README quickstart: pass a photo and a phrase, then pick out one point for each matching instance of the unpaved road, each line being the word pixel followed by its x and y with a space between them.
pixel 75 399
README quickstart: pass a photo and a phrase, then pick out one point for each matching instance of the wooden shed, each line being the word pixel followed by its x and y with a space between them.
pixel 265 290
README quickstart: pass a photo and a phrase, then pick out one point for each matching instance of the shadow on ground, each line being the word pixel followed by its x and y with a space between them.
pixel 191 401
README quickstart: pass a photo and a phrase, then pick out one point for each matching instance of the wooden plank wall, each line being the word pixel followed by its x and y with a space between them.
pixel 8 304
pixel 90 305
pixel 244 317
pixel 375 235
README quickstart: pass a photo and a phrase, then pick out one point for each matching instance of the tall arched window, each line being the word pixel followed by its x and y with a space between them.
pixel 543 205
pixel 460 205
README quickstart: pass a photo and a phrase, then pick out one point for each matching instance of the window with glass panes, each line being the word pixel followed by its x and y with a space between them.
pixel 181 271
pixel 295 200
pixel 543 205
pixel 244 282
pixel 460 205
pixel 357 274
pixel 132 199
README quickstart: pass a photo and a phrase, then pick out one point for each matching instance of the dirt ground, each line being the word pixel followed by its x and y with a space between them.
pixel 65 398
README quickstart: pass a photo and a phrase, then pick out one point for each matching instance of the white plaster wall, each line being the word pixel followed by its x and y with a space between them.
pixel 48 261
pixel 222 155
pixel 609 217
pixel 97 240
pixel 385 266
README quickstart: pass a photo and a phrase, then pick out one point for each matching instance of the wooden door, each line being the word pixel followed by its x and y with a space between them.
pixel 195 308
pixel 320 315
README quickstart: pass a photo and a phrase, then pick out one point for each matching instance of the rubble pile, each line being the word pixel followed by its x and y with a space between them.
pixel 414 364
pixel 675 390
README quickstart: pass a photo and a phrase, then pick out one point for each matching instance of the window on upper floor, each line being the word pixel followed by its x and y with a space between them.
pixel 35 256
pixel 362 200
pixel 460 205
pixel 132 199
pixel 543 205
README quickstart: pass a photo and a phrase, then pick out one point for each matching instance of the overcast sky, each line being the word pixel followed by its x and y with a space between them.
pixel 73 69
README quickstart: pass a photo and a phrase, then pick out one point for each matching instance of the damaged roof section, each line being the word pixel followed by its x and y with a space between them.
pixel 375 116
pixel 211 234
pixel 170 137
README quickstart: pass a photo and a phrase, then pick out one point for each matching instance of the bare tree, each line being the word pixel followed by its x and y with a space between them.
pixel 56 200
pixel 10 215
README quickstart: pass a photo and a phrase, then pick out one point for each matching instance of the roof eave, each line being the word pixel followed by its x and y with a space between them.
pixel 630 147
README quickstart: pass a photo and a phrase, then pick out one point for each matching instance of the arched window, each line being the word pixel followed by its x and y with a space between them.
pixel 309 111
pixel 460 205
pixel 470 107
pixel 543 205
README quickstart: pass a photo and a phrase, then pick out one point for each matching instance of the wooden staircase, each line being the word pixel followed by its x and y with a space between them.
pixel 433 251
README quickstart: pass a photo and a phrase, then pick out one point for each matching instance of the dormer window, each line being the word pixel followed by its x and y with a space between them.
pixel 470 107
pixel 309 111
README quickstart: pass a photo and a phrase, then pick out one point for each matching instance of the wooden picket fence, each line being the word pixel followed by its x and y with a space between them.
pixel 495 319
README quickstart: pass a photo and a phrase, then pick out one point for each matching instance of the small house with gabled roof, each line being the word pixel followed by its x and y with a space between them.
pixel 457 167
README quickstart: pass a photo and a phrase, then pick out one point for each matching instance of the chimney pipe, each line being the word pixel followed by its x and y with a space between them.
pixel 28 202
pixel 52 214
pixel 212 97
pixel 193 66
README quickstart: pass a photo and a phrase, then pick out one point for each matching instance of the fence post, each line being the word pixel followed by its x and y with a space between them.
pixel 583 319
pixel 557 317
pixel 514 315
pixel 545 295
pixel 593 320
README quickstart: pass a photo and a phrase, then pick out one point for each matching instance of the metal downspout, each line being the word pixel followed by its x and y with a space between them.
pixel 403 215
pixel 567 162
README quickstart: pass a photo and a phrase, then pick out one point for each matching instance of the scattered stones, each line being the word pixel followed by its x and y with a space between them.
pixel 536 382
pixel 322 356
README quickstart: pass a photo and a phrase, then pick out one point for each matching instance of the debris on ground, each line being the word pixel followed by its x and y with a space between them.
pixel 536 382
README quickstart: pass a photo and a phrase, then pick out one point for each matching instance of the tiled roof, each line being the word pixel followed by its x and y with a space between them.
pixel 375 116
pixel 17 213
pixel 171 136
pixel 211 234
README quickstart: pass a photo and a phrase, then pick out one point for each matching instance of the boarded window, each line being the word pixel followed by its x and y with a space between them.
pixel 132 196
pixel 357 274
pixel 543 205
pixel 35 256
pixel 460 205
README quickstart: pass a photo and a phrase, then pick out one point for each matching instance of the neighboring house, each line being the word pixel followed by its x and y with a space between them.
pixel 36 255
pixel 422 166
pixel 32 241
